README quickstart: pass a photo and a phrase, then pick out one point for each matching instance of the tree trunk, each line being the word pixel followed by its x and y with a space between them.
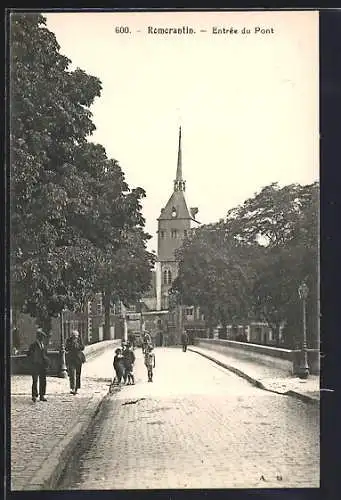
pixel 106 304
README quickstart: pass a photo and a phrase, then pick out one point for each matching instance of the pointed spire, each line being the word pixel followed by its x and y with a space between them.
pixel 179 165
pixel 179 184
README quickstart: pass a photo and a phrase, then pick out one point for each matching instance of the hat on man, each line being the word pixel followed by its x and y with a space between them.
pixel 41 333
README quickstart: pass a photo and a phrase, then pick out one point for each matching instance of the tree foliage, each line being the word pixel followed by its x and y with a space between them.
pixel 72 212
pixel 251 264
pixel 213 275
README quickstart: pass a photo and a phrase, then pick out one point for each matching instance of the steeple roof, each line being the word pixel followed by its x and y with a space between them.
pixel 176 201
pixel 179 164
pixel 176 207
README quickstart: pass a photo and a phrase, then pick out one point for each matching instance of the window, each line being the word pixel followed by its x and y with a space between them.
pixel 189 311
pixel 174 213
pixel 174 233
pixel 185 233
pixel 162 234
pixel 167 277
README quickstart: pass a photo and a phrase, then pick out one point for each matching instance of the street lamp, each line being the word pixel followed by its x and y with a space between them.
pixel 63 369
pixel 303 291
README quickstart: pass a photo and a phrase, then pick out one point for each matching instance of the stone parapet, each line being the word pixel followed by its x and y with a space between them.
pixel 286 360
pixel 20 366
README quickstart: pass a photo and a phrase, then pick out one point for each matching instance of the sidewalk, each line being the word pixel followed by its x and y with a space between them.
pixel 264 377
pixel 43 434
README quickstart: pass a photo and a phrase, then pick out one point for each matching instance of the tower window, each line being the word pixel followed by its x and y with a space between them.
pixel 173 212
pixel 174 233
pixel 162 234
pixel 185 233
pixel 167 277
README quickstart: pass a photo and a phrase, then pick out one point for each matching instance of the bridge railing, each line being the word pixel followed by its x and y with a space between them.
pixel 286 360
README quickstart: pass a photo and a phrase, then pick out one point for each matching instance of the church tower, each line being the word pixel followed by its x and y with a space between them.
pixel 173 225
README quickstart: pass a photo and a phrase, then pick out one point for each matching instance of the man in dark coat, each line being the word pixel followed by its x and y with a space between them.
pixel 184 340
pixel 39 363
pixel 75 357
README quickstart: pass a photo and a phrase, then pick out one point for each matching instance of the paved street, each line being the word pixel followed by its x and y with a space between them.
pixel 38 429
pixel 196 426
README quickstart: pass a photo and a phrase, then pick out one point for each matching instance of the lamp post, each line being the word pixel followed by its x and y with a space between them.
pixel 63 370
pixel 303 291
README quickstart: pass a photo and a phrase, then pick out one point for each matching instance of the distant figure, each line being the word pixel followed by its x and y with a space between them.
pixel 146 341
pixel 75 358
pixel 131 340
pixel 184 341
pixel 129 360
pixel 119 365
pixel 39 363
pixel 149 361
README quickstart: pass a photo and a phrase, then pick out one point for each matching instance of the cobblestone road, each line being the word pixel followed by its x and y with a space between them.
pixel 197 426
pixel 37 428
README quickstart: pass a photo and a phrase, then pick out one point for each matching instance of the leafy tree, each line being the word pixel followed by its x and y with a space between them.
pixel 283 222
pixel 50 122
pixel 269 218
pixel 73 217
pixel 250 266
pixel 214 276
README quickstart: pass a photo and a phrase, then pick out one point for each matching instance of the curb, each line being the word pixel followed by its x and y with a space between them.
pixel 303 397
pixel 255 382
pixel 47 477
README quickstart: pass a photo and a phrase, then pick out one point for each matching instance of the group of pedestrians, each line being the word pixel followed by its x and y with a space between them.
pixel 39 363
pixel 124 364
pixel 124 360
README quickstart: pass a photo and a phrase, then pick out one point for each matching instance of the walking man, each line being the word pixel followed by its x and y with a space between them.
pixel 184 340
pixel 39 363
pixel 75 357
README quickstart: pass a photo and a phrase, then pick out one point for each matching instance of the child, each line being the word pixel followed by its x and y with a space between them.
pixel 119 365
pixel 149 361
pixel 129 360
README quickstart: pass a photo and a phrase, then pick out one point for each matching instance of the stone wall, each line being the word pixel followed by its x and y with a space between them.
pixel 20 366
pixel 283 359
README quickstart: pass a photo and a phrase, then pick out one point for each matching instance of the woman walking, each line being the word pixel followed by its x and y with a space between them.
pixel 74 359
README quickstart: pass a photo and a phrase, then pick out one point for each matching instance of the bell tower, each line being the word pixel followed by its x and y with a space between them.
pixel 174 223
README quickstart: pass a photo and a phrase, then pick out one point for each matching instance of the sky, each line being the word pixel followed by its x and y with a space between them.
pixel 247 103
